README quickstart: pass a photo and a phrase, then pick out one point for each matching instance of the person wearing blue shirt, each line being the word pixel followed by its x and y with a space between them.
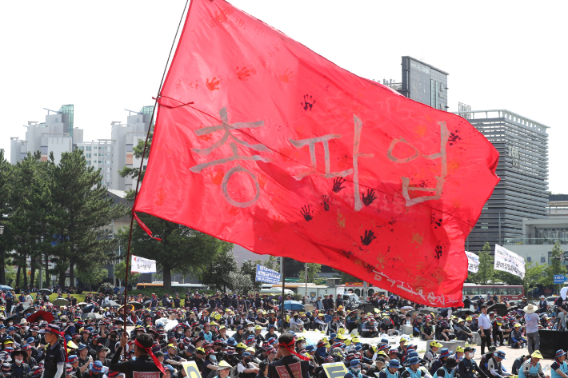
pixel 559 368
pixel 413 370
pixel 448 370
pixel 391 370
pixel 532 368
pixel 354 370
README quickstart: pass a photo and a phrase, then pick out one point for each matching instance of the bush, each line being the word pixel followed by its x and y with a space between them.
pixel 106 288
pixel 297 297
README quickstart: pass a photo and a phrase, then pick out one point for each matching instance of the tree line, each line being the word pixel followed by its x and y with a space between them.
pixel 55 212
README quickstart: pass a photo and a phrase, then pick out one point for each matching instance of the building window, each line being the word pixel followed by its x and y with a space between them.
pixel 542 259
pixel 529 259
pixel 129 148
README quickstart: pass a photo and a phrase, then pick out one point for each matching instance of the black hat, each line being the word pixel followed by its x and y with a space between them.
pixel 451 362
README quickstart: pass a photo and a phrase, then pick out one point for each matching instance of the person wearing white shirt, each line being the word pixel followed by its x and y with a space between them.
pixel 484 328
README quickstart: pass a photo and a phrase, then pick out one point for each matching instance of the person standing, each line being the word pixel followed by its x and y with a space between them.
pixel 532 320
pixel 54 363
pixel 145 358
pixel 484 328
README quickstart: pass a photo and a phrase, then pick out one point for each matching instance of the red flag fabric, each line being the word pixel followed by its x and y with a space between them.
pixel 262 142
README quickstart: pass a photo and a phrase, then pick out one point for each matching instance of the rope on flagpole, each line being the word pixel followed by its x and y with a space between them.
pixel 132 215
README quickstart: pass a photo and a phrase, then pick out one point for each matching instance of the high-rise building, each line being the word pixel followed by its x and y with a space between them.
pixel 424 83
pixel 523 168
pixel 112 155
pixel 57 134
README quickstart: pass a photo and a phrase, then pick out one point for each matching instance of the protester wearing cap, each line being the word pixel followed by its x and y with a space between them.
pixel 96 370
pixel 27 349
pixel 54 363
pixel 559 368
pixel 431 354
pixel 84 358
pixel 448 369
pixel 440 361
pixel 20 368
pixel 288 357
pixel 531 367
pixel 494 365
pixel 532 322
pixel 354 369
pixel 392 369
pixel 516 338
pixel 467 367
pixel 246 368
pixel 145 359
pixel 413 369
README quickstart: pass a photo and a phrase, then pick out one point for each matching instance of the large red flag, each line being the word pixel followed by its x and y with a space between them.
pixel 262 142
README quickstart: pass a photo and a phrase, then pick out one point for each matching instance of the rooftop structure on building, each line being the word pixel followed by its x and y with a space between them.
pixel 56 135
pixel 522 192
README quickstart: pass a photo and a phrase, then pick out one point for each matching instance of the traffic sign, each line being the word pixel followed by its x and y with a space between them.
pixel 559 278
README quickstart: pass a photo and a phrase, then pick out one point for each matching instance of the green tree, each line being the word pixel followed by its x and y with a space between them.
pixel 555 265
pixel 486 272
pixel 216 272
pixel 313 270
pixel 239 283
pixel 6 186
pixel 348 278
pixel 181 248
pixel 32 207
pixel 83 213
pixel 272 263
pixel 249 269
pixel 92 276
pixel 120 271
pixel 534 274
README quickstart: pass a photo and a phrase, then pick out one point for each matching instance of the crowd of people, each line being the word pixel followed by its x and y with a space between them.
pixel 240 336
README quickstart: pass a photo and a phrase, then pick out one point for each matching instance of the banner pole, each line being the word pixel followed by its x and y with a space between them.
pixel 140 170
pixel 283 297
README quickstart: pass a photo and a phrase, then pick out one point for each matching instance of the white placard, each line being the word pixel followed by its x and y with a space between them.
pixel 509 262
pixel 472 262
pixel 141 265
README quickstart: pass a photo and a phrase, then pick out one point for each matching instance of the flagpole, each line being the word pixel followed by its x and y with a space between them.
pixel 132 214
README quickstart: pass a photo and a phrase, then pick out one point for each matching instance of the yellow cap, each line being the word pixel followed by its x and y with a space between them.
pixel 516 325
pixel 537 354
pixel 251 350
pixel 72 345
pixel 171 346
pixel 403 339
pixel 435 344
pixel 258 327
pixel 459 349
pixel 200 350
pixel 241 345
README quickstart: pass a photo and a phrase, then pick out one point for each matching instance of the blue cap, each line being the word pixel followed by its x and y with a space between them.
pixel 355 362
pixel 560 353
pixel 394 363
pixel 231 341
pixel 310 348
pixel 11 329
pixel 500 354
pixel 170 368
pixel 412 354
pixel 2 326
pixel 81 347
pixel 30 340
pixel 358 347
pixel 96 366
pixel 413 360
pixel 445 352
pixel 247 354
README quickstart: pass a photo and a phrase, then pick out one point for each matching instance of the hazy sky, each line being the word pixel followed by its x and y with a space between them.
pixel 106 56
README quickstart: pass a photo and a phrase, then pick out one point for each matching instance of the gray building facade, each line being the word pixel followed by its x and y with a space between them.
pixel 424 83
pixel 522 192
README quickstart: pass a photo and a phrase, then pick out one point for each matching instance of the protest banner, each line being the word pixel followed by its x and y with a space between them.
pixel 263 274
pixel 141 265
pixel 472 262
pixel 509 262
